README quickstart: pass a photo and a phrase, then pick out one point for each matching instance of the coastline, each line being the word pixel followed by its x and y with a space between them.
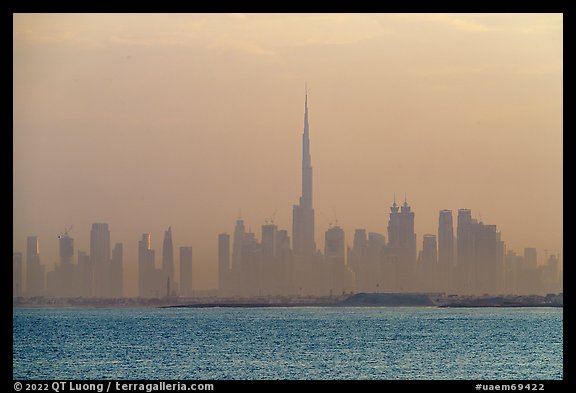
pixel 355 300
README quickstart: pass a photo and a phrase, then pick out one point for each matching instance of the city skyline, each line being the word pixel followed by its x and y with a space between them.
pixel 474 262
pixel 269 266
pixel 192 171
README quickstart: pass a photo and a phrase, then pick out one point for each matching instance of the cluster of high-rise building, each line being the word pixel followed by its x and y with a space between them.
pixel 474 261
pixel 156 282
pixel 471 260
pixel 100 274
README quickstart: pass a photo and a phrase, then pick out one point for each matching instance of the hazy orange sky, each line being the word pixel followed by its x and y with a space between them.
pixel 149 120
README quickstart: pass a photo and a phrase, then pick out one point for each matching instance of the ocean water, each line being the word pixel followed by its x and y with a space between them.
pixel 288 343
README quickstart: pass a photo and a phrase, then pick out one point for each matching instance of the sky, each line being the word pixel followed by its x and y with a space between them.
pixel 146 121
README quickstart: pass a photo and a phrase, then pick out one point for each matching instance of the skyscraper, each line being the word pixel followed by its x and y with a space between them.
pixel 530 257
pixel 407 234
pixel 487 263
pixel 284 273
pixel 168 258
pixel 146 270
pixel 400 253
pixel 428 265
pixel 100 258
pixel 334 243
pixel 445 250
pixel 552 281
pixel 224 262
pixel 238 242
pixel 376 245
pixel 269 240
pixel 358 261
pixel 35 274
pixel 445 238
pixel 464 252
pixel 85 275
pixel 117 271
pixel 239 265
pixel 66 287
pixel 360 245
pixel 401 236
pixel 480 256
pixel 66 249
pixel 429 252
pixel 270 271
pixel 376 242
pixel 186 271
pixel 464 245
pixel 394 225
pixel 303 213
pixel 16 274
pixel 282 244
pixel 251 270
pixel 334 246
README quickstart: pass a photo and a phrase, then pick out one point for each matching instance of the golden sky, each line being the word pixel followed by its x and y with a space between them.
pixel 149 120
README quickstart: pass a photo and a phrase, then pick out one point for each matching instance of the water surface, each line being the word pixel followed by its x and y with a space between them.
pixel 288 343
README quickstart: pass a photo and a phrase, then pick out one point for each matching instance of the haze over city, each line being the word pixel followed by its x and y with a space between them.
pixel 152 121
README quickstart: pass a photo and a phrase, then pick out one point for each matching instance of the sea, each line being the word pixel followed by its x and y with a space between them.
pixel 303 343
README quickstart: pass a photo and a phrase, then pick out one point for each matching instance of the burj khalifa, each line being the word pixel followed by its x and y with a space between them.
pixel 303 214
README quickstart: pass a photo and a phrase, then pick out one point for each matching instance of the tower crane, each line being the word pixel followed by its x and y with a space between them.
pixel 271 219
pixel 66 230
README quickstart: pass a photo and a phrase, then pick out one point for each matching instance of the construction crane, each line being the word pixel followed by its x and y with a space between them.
pixel 335 219
pixel 271 219
pixel 66 230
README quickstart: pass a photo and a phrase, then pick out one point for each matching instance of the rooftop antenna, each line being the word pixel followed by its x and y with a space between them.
pixel 335 218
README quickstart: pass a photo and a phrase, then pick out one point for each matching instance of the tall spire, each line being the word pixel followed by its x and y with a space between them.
pixel 306 199
pixel 306 97
pixel 405 207
pixel 303 213
pixel 306 118
pixel 394 208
